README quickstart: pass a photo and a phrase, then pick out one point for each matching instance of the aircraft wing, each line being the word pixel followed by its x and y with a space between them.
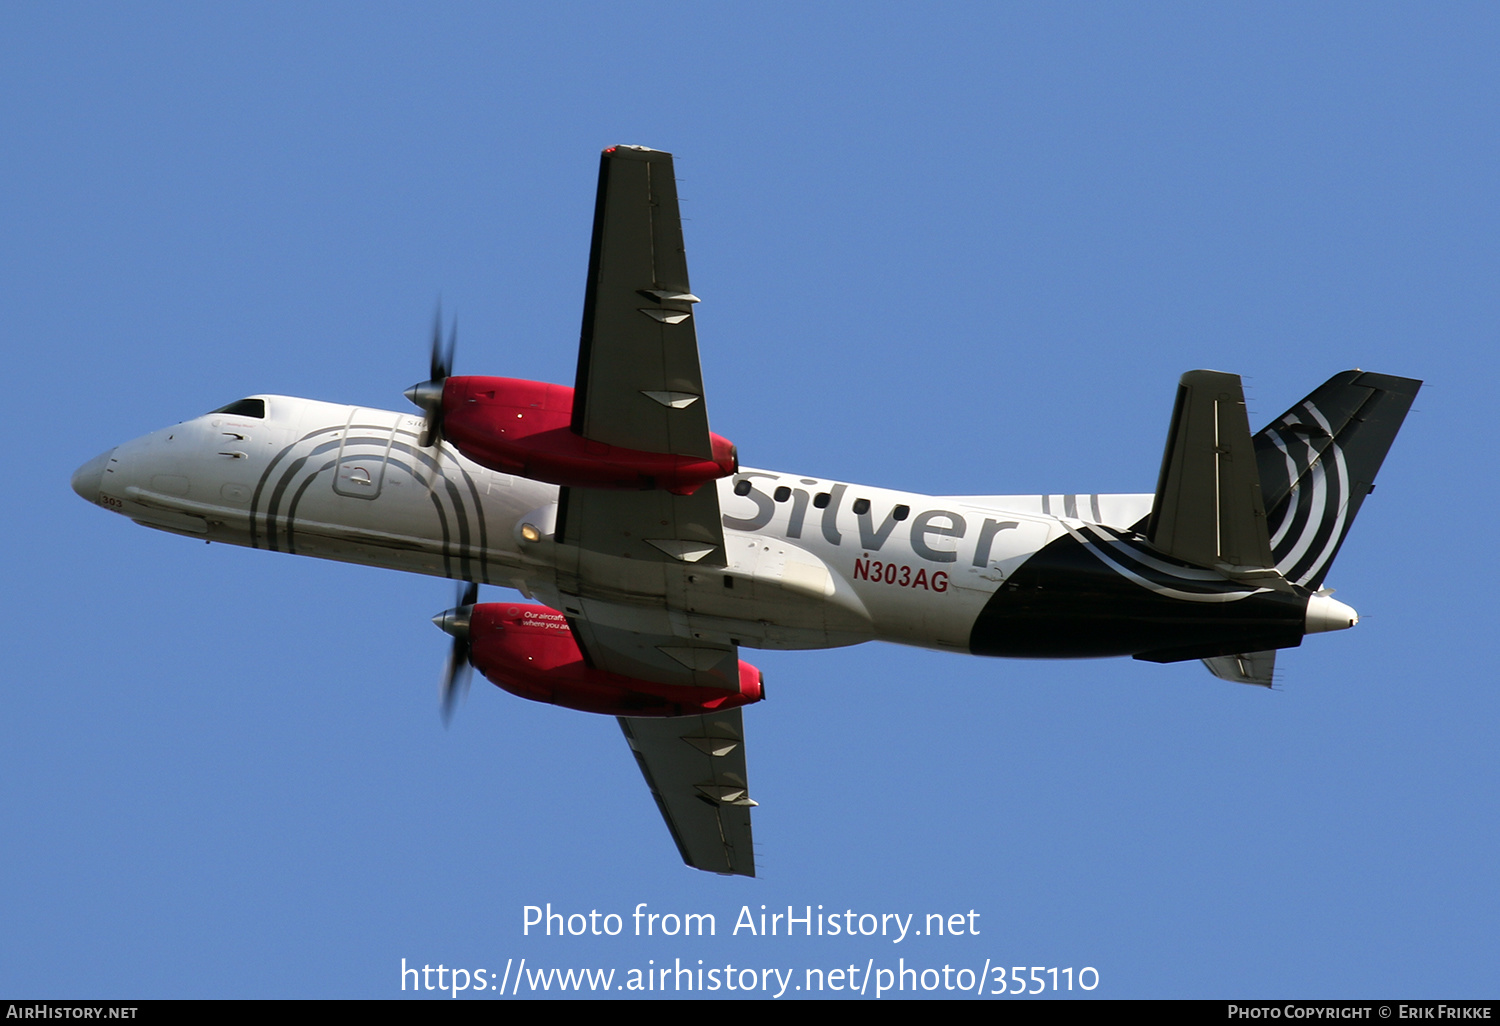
pixel 639 386
pixel 695 767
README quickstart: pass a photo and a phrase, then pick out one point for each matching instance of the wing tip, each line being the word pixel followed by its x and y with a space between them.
pixel 639 152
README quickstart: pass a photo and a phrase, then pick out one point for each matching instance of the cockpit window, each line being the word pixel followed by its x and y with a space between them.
pixel 245 408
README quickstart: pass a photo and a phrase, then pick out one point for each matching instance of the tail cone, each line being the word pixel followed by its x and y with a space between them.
pixel 1326 613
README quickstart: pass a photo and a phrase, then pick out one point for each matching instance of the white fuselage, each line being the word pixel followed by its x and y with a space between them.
pixel 812 563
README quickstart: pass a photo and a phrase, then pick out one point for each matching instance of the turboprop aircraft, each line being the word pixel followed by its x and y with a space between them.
pixel 648 556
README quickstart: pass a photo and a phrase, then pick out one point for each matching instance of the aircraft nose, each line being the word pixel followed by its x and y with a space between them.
pixel 88 478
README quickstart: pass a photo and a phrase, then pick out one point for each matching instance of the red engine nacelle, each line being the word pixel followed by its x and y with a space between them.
pixel 525 428
pixel 529 651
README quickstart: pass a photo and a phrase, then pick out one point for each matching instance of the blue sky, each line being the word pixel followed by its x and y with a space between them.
pixel 947 248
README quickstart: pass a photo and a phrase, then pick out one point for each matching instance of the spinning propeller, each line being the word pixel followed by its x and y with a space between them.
pixel 455 621
pixel 428 395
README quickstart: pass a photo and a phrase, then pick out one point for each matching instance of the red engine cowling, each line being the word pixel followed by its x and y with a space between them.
pixel 525 428
pixel 529 651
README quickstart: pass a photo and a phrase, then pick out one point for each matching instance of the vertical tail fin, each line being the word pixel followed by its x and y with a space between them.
pixel 1318 461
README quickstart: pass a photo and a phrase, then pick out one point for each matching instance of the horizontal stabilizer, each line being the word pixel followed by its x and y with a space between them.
pixel 1208 508
pixel 1246 668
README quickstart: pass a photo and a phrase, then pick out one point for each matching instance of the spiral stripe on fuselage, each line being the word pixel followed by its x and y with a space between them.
pixel 270 528
pixel 1149 570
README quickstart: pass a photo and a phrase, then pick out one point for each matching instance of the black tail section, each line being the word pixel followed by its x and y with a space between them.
pixel 1318 461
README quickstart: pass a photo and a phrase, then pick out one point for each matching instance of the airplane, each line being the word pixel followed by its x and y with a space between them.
pixel 648 557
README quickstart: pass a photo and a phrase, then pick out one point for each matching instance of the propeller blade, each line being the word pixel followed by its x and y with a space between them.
pixel 455 679
pixel 455 621
pixel 438 368
pixel 428 395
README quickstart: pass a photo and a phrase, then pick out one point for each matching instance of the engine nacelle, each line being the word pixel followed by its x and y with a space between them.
pixel 529 651
pixel 525 428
